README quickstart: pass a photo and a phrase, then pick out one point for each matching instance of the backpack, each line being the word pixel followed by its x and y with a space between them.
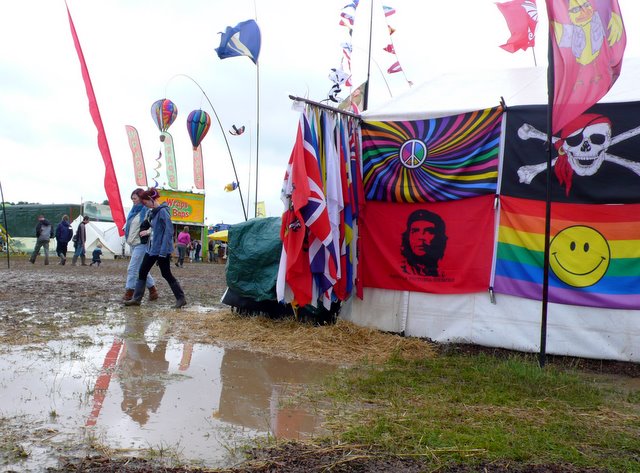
pixel 45 232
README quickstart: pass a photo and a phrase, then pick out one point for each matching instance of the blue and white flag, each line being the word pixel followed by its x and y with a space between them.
pixel 240 40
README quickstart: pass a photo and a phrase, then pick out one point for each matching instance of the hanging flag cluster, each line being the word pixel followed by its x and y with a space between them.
pixel 323 200
pixel 390 48
pixel 522 19
pixel 341 75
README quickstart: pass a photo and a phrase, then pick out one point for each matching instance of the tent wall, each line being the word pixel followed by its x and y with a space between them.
pixel 512 323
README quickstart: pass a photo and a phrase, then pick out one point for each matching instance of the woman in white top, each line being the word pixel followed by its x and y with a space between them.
pixel 136 218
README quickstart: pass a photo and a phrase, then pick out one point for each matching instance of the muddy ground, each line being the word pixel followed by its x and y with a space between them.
pixel 39 303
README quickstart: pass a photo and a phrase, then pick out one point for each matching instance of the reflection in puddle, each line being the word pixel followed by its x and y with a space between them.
pixel 138 388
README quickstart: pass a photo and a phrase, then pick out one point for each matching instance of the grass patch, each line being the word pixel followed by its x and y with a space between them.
pixel 471 409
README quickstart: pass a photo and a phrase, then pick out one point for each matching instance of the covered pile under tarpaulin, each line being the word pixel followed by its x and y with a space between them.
pixel 607 326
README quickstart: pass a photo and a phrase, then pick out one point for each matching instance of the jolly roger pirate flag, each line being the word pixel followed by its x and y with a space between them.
pixel 596 157
pixel 442 248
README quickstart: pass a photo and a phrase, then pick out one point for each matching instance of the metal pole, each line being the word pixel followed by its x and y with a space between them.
pixel 4 215
pixel 244 211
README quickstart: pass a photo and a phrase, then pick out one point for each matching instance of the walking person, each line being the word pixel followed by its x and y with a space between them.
pixel 210 248
pixel 136 221
pixel 159 249
pixel 44 233
pixel 64 233
pixel 79 240
pixel 184 242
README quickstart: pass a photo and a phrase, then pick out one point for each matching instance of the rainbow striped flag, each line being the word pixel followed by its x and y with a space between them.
pixel 439 159
pixel 594 253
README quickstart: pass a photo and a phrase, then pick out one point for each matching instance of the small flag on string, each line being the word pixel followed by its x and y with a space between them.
pixel 231 186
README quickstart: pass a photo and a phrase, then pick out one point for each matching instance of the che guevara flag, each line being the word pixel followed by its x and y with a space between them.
pixel 588 45
pixel 443 247
pixel 594 253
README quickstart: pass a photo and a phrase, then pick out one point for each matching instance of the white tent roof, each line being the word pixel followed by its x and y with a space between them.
pixel 459 92
pixel 103 232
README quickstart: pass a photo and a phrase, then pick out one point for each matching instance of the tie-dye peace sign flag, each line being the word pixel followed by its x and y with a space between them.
pixel 438 159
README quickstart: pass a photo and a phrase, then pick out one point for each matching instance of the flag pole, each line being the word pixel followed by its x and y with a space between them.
pixel 365 100
pixel 255 197
pixel 6 232
pixel 547 216
pixel 255 205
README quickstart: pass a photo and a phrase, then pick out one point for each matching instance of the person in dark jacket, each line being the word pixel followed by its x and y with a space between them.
pixel 159 249
pixel 79 240
pixel 64 233
pixel 44 233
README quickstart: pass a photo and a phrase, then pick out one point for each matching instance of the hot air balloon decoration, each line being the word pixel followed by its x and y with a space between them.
pixel 198 124
pixel 164 113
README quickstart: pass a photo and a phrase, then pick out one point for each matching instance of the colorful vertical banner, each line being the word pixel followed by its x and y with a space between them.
pixel 170 160
pixel 139 170
pixel 588 46
pixel 110 179
pixel 198 170
pixel 439 159
pixel 594 253
pixel 443 247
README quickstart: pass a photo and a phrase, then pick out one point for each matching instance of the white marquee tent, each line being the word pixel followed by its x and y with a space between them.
pixel 508 322
pixel 113 245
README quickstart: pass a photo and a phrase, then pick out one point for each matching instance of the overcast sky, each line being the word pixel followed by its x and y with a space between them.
pixel 139 51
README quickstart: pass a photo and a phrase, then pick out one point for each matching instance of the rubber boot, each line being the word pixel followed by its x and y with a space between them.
pixel 128 295
pixel 179 293
pixel 153 293
pixel 83 259
pixel 73 261
pixel 138 294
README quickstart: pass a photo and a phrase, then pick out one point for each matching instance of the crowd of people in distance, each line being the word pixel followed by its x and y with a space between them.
pixel 149 233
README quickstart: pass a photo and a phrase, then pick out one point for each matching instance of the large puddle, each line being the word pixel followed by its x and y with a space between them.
pixel 135 387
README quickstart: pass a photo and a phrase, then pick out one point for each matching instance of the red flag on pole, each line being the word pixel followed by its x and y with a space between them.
pixel 522 19
pixel 110 180
pixel 588 46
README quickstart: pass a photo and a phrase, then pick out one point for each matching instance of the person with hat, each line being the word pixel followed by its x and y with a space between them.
pixel 159 249
pixel 44 233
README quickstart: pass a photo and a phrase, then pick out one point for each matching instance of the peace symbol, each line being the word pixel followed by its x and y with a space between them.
pixel 412 153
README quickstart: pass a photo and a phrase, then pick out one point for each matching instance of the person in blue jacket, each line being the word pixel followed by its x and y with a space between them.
pixel 159 249
pixel 64 233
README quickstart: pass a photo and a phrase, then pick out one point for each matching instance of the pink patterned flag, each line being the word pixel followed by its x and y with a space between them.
pixel 138 161
pixel 587 54
pixel 198 170
pixel 170 160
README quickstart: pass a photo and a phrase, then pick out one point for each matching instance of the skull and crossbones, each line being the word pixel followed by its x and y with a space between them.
pixel 582 148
